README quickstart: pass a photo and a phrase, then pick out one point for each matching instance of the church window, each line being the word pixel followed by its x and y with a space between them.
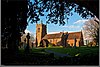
pixel 71 44
pixel 50 40
pixel 38 29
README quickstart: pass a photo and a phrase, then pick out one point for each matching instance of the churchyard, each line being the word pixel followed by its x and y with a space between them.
pixel 60 56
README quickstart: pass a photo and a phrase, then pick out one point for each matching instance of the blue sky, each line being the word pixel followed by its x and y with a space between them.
pixel 74 24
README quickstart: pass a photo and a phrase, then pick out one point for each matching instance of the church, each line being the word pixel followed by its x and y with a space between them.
pixel 57 39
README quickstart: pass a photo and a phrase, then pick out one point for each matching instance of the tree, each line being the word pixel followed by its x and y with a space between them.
pixel 15 13
pixel 91 28
pixel 14 17
pixel 91 5
pixel 14 21
pixel 58 10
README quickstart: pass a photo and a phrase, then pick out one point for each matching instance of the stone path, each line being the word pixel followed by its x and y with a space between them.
pixel 57 54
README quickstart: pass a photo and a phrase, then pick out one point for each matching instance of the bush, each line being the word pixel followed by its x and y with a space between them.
pixel 60 46
pixel 41 45
pixel 68 45
pixel 50 45
pixel 91 44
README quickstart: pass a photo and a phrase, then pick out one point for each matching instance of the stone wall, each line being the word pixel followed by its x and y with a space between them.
pixel 40 32
pixel 71 42
pixel 55 41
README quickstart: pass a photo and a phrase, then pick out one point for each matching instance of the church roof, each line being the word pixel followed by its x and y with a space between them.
pixel 76 35
pixel 53 36
pixel 71 35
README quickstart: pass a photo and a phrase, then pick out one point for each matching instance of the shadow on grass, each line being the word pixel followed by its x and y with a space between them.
pixel 43 58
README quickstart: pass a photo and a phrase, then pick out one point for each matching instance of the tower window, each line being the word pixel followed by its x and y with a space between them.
pixel 38 29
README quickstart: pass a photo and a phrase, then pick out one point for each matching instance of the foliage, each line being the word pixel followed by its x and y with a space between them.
pixel 91 29
pixel 14 21
pixel 91 44
pixel 50 45
pixel 57 10
pixel 41 45
pixel 14 14
pixel 14 17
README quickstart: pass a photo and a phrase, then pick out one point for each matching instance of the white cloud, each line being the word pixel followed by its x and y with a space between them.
pixel 71 26
pixel 80 21
pixel 27 31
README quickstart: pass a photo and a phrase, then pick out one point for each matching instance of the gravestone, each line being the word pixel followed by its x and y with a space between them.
pixel 75 42
pixel 27 47
pixel 36 42
pixel 65 36
pixel 32 44
pixel 24 43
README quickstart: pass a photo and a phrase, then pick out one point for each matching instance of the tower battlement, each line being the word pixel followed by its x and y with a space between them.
pixel 40 32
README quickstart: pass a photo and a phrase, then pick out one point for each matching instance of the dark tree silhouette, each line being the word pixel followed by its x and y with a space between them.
pixel 14 19
pixel 13 22
pixel 14 14
pixel 58 10
pixel 90 5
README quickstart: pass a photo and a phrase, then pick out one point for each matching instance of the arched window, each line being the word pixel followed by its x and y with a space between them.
pixel 38 29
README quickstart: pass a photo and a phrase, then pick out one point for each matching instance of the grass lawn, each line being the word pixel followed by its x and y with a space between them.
pixel 79 55
pixel 79 50
pixel 82 51
pixel 40 56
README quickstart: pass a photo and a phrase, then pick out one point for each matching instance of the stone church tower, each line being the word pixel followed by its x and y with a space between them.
pixel 40 32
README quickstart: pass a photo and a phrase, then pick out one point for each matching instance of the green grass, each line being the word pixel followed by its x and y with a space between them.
pixel 79 55
pixel 82 51
pixel 79 50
